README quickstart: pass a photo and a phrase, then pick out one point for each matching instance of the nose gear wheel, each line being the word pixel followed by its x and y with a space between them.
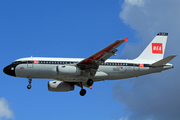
pixel 29 85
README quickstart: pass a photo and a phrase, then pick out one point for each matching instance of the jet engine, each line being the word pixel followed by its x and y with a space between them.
pixel 72 70
pixel 60 86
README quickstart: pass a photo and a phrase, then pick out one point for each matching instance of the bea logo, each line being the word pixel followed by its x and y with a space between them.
pixel 157 48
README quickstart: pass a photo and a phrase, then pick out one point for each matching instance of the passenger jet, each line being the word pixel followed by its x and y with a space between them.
pixel 68 72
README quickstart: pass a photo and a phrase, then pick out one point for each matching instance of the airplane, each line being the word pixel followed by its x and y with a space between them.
pixel 68 72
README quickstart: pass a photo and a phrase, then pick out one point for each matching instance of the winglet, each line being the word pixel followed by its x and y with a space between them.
pixel 125 39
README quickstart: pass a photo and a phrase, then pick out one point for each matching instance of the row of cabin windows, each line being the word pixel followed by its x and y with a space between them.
pixel 44 62
pixel 56 62
pixel 74 62
pixel 117 64
pixel 64 62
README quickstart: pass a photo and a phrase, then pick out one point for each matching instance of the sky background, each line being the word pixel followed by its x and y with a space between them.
pixel 60 28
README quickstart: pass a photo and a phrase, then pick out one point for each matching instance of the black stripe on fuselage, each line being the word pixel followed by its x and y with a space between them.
pixel 75 62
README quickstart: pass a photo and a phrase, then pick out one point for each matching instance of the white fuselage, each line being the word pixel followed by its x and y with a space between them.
pixel 45 68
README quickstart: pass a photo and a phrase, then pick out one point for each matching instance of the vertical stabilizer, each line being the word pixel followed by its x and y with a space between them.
pixel 155 50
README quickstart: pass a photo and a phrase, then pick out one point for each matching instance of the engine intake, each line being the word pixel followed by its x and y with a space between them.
pixel 60 86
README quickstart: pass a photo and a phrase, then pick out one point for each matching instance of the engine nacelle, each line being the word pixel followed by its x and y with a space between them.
pixel 71 70
pixel 60 86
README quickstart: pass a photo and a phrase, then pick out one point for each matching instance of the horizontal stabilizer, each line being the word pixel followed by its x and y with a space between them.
pixel 163 61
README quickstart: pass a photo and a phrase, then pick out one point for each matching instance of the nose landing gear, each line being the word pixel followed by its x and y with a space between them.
pixel 29 85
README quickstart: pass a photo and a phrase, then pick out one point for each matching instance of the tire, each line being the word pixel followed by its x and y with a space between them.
pixel 82 92
pixel 29 87
pixel 90 82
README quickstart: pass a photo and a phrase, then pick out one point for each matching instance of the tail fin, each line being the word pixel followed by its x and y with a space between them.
pixel 155 50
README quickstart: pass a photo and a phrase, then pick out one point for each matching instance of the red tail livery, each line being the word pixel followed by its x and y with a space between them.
pixel 157 48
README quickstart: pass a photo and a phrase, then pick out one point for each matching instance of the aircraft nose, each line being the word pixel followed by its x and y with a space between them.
pixel 9 70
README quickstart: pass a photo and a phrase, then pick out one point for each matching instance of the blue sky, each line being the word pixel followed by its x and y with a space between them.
pixel 58 29
pixel 75 29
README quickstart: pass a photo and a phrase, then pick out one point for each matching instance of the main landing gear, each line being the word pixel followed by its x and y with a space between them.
pixel 29 85
pixel 90 82
pixel 83 91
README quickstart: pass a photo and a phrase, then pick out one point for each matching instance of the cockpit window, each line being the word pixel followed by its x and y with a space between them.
pixel 19 62
pixel 15 62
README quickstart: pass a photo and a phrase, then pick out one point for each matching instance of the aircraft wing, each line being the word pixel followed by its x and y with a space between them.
pixel 91 64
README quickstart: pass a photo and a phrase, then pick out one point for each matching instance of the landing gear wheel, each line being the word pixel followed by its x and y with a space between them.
pixel 29 87
pixel 82 92
pixel 90 82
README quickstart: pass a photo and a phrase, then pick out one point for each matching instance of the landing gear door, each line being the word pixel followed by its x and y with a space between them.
pixel 30 63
